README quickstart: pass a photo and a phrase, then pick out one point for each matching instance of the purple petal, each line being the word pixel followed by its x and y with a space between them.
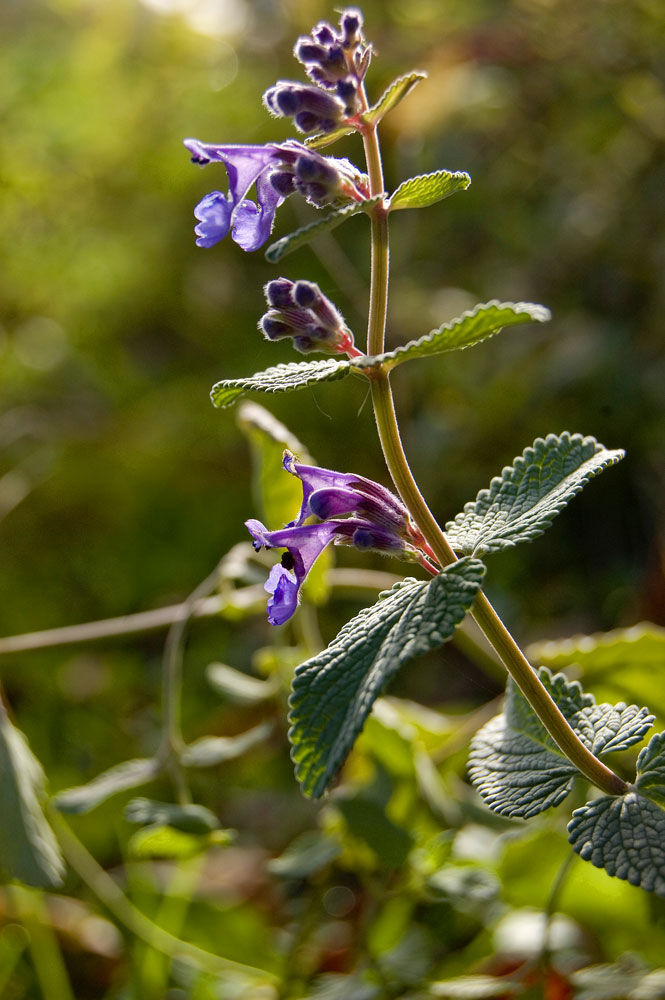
pixel 243 163
pixel 284 589
pixel 252 224
pixel 214 214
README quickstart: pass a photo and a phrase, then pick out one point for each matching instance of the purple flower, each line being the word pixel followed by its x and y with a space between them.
pixel 301 311
pixel 275 171
pixel 379 522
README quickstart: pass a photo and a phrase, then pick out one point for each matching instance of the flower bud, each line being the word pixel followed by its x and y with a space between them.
pixel 300 310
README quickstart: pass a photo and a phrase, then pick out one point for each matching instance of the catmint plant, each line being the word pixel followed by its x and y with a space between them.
pixel 550 733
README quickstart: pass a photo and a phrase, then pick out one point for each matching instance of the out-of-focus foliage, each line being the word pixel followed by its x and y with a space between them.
pixel 121 486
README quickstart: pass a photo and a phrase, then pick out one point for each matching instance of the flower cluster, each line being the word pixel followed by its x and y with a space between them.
pixel 300 310
pixel 276 171
pixel 336 62
pixel 351 510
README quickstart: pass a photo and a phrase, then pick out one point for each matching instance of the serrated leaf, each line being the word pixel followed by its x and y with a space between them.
pixel 239 687
pixel 188 818
pixel 29 850
pixel 483 321
pixel 391 97
pixel 333 692
pixel 625 835
pixel 651 770
pixel 427 189
pixel 323 139
pixel 129 774
pixel 523 501
pixel 280 378
pixel 287 244
pixel 515 764
pixel 211 750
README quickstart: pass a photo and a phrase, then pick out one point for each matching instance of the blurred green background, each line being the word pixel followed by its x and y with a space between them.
pixel 121 486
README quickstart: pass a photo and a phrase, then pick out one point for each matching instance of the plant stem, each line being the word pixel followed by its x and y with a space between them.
pixel 113 898
pixel 386 421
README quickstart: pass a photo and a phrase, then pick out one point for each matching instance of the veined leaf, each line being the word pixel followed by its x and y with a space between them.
pixel 29 850
pixel 522 502
pixel 651 770
pixel 427 189
pixel 472 327
pixel 515 764
pixel 625 835
pixel 287 244
pixel 129 774
pixel 395 93
pixel 280 378
pixel 333 692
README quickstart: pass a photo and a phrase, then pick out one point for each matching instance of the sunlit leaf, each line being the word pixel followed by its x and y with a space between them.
pixel 323 139
pixel 129 774
pixel 395 93
pixel 517 767
pixel 287 244
pixel 168 842
pixel 29 850
pixel 625 835
pixel 523 501
pixel 334 691
pixel 472 327
pixel 427 189
pixel 280 378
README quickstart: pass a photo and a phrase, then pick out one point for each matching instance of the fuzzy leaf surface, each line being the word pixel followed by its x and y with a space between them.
pixel 280 378
pixel 651 770
pixel 472 327
pixel 625 835
pixel 287 244
pixel 427 189
pixel 129 774
pixel 523 501
pixel 29 850
pixel 333 692
pixel 391 97
pixel 515 764
pixel 323 139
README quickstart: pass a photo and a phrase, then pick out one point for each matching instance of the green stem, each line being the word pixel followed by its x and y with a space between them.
pixel 114 899
pixel 386 421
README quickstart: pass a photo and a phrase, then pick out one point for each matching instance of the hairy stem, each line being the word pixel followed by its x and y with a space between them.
pixel 386 420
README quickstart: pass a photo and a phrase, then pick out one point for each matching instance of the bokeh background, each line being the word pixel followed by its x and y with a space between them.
pixel 121 486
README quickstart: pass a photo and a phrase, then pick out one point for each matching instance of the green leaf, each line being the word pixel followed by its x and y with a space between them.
pixel 427 189
pixel 367 820
pixel 323 139
pixel 333 692
pixel 474 987
pixel 395 93
pixel 276 495
pixel 29 850
pixel 188 818
pixel 651 770
pixel 287 244
pixel 523 501
pixel 625 835
pixel 211 750
pixel 515 764
pixel 472 327
pixel 239 687
pixel 167 842
pixel 129 774
pixel 281 378
pixel 306 855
